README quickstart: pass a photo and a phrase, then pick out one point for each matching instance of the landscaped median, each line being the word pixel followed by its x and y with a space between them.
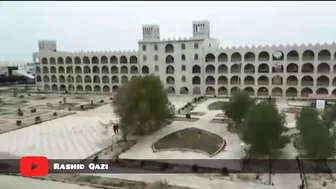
pixel 191 139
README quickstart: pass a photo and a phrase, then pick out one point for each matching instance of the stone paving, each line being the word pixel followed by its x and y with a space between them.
pixel 143 149
pixel 79 136
pixel 192 181
pixel 232 151
pixel 15 182
pixel 73 137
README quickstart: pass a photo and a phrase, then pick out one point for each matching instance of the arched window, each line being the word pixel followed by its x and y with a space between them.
pixel 183 57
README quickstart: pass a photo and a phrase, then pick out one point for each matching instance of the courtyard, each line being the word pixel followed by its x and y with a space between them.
pixel 75 136
pixel 80 135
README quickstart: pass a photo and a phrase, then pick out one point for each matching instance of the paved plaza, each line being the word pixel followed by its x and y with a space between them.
pixel 79 136
pixel 15 182
pixel 73 137
pixel 143 149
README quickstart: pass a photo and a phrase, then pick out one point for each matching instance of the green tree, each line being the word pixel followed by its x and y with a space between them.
pixel 316 138
pixel 262 128
pixel 142 105
pixel 308 116
pixel 238 106
pixel 330 114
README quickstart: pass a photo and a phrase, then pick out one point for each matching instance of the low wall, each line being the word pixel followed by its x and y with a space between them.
pixel 180 166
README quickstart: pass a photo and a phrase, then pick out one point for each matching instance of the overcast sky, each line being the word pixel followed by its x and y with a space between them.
pixel 117 25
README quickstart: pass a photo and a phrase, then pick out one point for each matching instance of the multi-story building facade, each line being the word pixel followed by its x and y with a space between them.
pixel 193 66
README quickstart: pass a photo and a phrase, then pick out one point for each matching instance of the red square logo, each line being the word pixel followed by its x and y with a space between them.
pixel 34 166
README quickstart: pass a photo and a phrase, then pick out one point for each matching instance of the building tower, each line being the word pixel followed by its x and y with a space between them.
pixel 151 32
pixel 47 45
pixel 201 29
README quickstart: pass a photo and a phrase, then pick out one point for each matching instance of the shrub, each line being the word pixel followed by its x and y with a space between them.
pixel 194 168
pixel 111 98
pixel 178 111
pixel 142 163
pixel 164 166
pixel 21 96
pixel 101 101
pixel 189 104
pixel 55 113
pixel 116 160
pixel 92 102
pixel 188 116
pixel 60 102
pixel 33 110
pixel 195 99
pixel 28 94
pixel 82 107
pixel 69 109
pixel 215 96
pixel 37 119
pixel 20 113
pixel 224 171
pixel 18 122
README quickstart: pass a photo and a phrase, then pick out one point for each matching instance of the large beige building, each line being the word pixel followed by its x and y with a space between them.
pixel 193 66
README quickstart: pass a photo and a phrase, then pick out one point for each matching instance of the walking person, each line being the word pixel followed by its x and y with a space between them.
pixel 117 128
pixel 95 159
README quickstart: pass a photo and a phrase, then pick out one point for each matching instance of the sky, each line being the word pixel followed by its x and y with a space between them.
pixel 117 25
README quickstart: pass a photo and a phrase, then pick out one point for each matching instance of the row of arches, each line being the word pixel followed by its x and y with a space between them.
pixel 85 79
pixel 261 91
pixel 307 55
pixel 169 48
pixel 80 88
pixel 261 80
pixel 94 69
pixel 265 68
pixel 93 60
pixel 221 91
pixel 196 80
pixel 248 68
